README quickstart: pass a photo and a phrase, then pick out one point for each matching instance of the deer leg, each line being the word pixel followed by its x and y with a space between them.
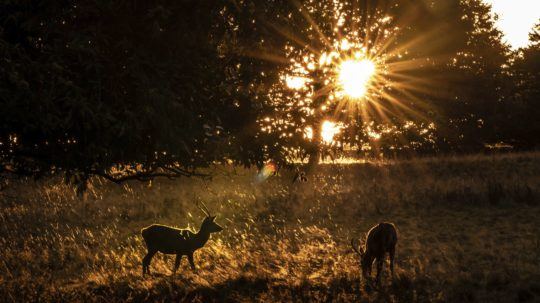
pixel 176 263
pixel 190 258
pixel 392 254
pixel 146 261
pixel 380 262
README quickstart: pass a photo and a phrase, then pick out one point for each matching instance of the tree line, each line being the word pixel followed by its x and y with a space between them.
pixel 138 89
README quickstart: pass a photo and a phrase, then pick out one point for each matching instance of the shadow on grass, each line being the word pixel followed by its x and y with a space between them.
pixel 162 288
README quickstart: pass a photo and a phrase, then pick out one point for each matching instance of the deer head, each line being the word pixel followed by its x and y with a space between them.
pixel 365 260
pixel 208 225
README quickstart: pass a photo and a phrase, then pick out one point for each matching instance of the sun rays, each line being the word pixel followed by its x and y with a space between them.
pixel 355 73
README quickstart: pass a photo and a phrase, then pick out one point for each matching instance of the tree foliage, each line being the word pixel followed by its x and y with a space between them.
pixel 444 87
pixel 136 89
pixel 139 86
pixel 524 130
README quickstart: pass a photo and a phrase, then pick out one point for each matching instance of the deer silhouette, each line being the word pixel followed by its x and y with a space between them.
pixel 180 242
pixel 380 239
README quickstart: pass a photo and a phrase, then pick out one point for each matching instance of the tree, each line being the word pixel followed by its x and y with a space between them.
pixel 522 129
pixel 468 77
pixel 118 89
pixel 139 89
pixel 443 89
pixel 294 38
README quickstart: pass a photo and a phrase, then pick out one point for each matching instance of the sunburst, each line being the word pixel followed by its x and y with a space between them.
pixel 355 75
pixel 357 72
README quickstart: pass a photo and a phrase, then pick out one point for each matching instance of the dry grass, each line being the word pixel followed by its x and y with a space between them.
pixel 468 231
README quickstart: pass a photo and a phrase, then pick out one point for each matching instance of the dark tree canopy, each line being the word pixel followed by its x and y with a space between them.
pixel 139 85
pixel 522 128
pixel 136 89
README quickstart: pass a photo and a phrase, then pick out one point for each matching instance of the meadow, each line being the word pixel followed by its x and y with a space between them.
pixel 468 229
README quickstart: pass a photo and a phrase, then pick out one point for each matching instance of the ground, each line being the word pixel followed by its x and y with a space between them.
pixel 468 232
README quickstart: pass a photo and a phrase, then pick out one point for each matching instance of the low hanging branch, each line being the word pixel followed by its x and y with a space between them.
pixel 167 172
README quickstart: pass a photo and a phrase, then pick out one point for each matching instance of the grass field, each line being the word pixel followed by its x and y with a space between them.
pixel 469 231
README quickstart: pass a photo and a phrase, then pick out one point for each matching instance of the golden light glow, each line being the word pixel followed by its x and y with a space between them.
pixel 308 133
pixel 295 83
pixel 328 130
pixel 355 75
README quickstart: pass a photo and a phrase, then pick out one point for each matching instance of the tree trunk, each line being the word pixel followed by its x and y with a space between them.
pixel 315 149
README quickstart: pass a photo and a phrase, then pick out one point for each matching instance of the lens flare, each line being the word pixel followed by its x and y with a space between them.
pixel 355 75
pixel 265 172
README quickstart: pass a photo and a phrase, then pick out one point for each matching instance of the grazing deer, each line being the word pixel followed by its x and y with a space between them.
pixel 299 176
pixel 380 239
pixel 181 242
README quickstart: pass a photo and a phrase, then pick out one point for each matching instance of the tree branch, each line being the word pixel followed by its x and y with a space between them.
pixel 146 176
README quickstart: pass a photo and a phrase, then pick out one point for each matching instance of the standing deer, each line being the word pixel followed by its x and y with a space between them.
pixel 181 242
pixel 380 239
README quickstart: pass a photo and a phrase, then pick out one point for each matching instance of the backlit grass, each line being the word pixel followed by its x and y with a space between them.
pixel 468 231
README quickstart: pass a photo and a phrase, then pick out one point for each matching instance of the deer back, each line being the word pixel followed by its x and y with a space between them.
pixel 381 239
pixel 168 239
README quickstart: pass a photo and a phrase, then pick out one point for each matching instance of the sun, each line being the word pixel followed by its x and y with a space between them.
pixel 355 76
